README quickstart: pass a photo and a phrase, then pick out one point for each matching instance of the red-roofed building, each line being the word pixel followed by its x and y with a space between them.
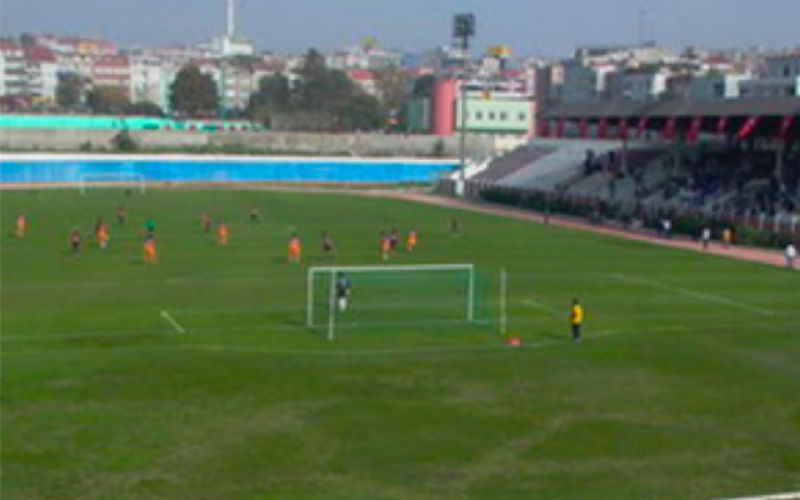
pixel 112 71
pixel 74 46
pixel 42 73
pixel 364 78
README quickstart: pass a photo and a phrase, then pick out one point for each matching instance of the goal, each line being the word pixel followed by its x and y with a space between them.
pixel 397 296
pixel 112 179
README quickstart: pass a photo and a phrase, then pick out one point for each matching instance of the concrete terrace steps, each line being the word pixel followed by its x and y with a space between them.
pixel 513 162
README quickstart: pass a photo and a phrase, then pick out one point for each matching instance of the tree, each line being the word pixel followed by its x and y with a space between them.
pixel 69 91
pixel 144 108
pixel 360 112
pixel 273 95
pixel 108 99
pixel 193 93
pixel 393 87
pixel 423 86
pixel 327 95
pixel 123 141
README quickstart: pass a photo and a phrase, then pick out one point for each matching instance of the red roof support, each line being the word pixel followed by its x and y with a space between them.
pixel 583 128
pixel 602 129
pixel 668 134
pixel 748 128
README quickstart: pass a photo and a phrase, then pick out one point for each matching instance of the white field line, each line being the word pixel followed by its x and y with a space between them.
pixel 331 353
pixel 177 326
pixel 268 328
pixel 535 304
pixel 794 495
pixel 708 297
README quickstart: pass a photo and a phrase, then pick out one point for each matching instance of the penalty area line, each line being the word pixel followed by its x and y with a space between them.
pixel 177 326
pixel 706 297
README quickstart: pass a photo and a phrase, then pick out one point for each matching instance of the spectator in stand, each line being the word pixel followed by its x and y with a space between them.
pixel 666 228
pixel 705 237
pixel 791 255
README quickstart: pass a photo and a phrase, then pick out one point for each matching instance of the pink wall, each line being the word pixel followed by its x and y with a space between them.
pixel 444 109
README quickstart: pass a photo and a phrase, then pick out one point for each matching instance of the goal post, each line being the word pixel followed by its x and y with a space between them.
pixel 400 295
pixel 112 179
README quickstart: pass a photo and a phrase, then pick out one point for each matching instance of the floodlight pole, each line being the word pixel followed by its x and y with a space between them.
pixel 463 30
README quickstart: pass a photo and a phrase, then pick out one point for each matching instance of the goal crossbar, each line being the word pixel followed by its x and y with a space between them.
pixel 115 179
pixel 332 271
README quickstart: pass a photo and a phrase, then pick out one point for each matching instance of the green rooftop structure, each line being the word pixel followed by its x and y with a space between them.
pixel 133 123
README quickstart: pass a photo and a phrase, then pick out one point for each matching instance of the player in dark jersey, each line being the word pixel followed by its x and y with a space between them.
pixel 394 239
pixel 343 289
pixel 75 241
pixel 122 215
pixel 455 225
pixel 328 247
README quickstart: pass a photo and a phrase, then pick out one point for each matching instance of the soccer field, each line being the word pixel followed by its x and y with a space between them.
pixel 686 386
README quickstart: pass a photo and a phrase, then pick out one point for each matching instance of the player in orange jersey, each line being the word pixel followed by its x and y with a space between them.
pixel 149 249
pixel 411 241
pixel 223 234
pixel 386 246
pixel 206 223
pixel 22 225
pixel 295 248
pixel 101 234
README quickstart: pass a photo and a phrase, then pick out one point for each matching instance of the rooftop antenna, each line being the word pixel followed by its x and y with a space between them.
pixel 644 18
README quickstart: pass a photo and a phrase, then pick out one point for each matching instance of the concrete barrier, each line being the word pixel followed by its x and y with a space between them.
pixel 313 144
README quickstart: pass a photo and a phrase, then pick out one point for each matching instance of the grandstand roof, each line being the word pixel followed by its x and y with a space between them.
pixel 765 107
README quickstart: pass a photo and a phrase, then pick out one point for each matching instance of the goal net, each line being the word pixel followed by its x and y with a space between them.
pixel 112 179
pixel 397 296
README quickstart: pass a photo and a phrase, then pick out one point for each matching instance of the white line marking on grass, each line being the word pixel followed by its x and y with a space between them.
pixel 535 304
pixel 332 353
pixel 794 495
pixel 708 297
pixel 177 326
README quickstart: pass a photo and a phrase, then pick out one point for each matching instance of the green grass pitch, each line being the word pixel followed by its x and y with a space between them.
pixel 687 386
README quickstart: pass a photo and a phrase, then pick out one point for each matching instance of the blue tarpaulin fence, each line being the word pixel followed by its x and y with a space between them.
pixel 74 170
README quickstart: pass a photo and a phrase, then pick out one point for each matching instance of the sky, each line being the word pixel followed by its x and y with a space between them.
pixel 550 28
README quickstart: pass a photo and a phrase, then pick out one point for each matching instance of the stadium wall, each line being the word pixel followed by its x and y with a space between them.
pixel 287 143
pixel 26 169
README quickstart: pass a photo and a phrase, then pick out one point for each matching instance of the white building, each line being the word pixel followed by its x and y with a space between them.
pixel 13 76
pixel 780 78
pixel 42 70
pixel 586 82
pixel 150 80
pixel 637 86
pixel 587 75
pixel 232 44
pixel 364 56
pixel 717 85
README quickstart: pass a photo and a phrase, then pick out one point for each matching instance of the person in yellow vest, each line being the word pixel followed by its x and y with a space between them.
pixel 727 237
pixel 576 317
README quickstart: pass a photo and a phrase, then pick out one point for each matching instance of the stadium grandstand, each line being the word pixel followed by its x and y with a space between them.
pixel 721 163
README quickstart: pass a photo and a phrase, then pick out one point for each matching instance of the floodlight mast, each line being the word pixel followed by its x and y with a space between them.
pixel 463 30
